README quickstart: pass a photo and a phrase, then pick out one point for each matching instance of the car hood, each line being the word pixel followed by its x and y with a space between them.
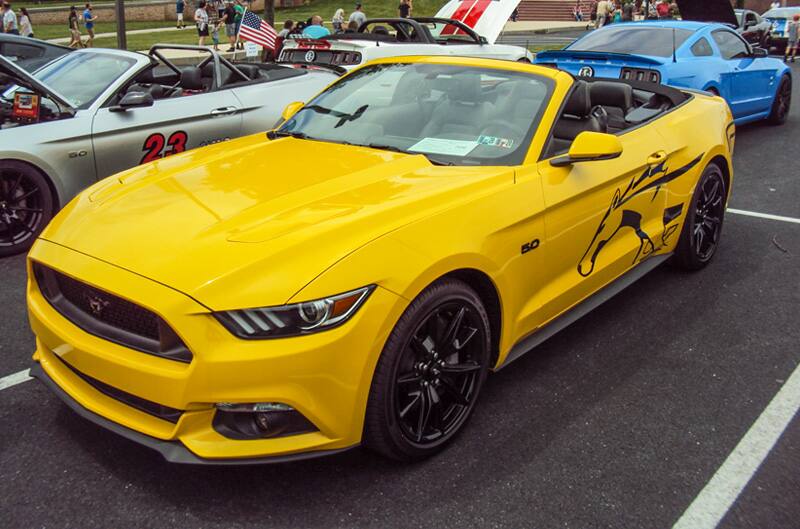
pixel 708 11
pixel 486 17
pixel 250 222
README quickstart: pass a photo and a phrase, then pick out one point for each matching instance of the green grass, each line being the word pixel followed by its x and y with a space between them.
pixel 143 41
pixel 54 31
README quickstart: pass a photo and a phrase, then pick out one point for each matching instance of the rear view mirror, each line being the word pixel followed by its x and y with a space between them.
pixel 134 100
pixel 588 147
pixel 290 109
pixel 760 52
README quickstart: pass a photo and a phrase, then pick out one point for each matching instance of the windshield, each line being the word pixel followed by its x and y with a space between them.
pixel 81 77
pixel 451 114
pixel 640 40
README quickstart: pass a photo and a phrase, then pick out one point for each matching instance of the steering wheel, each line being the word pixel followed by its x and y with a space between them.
pixel 600 114
pixel 502 129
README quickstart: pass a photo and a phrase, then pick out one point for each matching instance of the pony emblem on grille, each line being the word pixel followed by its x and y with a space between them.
pixel 96 304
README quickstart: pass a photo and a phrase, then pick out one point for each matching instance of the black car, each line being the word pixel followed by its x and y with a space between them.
pixel 753 28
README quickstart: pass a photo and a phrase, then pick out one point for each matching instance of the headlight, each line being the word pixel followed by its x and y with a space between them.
pixel 296 319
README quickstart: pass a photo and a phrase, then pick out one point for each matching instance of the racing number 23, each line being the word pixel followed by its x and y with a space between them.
pixel 153 147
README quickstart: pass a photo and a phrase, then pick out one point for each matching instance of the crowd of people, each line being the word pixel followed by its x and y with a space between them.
pixel 604 12
pixel 213 17
pixel 314 27
pixel 13 24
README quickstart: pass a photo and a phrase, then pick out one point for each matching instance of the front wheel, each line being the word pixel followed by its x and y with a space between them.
pixel 429 374
pixel 26 206
pixel 703 224
pixel 781 103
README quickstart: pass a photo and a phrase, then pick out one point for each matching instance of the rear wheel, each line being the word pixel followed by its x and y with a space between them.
pixel 26 206
pixel 429 374
pixel 703 224
pixel 781 103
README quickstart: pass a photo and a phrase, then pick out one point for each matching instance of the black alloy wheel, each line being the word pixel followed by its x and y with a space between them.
pixel 438 373
pixel 703 225
pixel 430 373
pixel 26 205
pixel 782 102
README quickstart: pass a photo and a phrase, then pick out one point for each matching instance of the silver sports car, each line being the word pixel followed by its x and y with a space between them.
pixel 95 112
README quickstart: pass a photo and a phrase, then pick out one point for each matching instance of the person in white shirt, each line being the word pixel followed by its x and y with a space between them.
pixel 604 8
pixel 358 16
pixel 201 19
pixel 9 20
pixel 25 27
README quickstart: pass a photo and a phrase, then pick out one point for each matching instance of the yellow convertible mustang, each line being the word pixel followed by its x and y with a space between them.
pixel 352 276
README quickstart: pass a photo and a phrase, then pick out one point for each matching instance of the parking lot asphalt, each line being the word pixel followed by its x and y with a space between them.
pixel 618 421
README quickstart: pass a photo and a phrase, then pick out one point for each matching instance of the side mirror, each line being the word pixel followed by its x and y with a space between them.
pixel 134 100
pixel 589 147
pixel 760 52
pixel 290 109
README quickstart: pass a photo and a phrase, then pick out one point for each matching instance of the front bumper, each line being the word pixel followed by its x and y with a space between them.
pixel 325 376
pixel 172 451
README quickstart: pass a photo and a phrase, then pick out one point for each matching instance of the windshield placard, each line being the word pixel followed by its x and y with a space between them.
pixel 444 146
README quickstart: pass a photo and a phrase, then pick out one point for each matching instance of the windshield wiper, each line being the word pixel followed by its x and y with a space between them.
pixel 386 148
pixel 274 134
pixel 392 148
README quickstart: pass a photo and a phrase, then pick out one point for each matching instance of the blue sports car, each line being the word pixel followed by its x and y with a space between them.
pixel 695 54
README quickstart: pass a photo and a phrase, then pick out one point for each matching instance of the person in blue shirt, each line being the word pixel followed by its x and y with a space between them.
pixel 88 21
pixel 180 7
pixel 316 30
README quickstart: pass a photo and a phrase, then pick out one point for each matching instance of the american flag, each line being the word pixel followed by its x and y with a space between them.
pixel 256 30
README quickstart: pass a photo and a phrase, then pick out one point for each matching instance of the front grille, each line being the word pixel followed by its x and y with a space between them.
pixel 108 316
pixel 151 408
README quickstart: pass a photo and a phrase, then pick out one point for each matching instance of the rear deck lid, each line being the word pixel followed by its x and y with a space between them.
pixel 486 17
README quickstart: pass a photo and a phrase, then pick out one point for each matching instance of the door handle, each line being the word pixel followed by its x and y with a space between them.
pixel 223 111
pixel 656 158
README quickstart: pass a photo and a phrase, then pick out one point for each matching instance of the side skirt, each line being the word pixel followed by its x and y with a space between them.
pixel 583 308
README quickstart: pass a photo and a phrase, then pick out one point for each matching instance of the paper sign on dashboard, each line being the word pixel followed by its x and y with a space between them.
pixel 444 146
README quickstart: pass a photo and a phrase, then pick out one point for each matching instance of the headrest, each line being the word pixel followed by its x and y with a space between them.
pixel 155 90
pixel 380 30
pixel 250 70
pixel 207 70
pixel 611 94
pixel 146 77
pixel 191 78
pixel 465 88
pixel 578 103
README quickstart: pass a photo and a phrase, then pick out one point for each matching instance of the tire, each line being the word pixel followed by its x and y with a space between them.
pixel 26 206
pixel 702 227
pixel 782 102
pixel 419 401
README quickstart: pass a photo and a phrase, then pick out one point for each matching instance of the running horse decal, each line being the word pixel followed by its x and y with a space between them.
pixel 617 218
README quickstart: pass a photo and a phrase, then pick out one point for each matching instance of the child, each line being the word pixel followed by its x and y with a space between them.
pixel 214 24
pixel 215 35
pixel 792 34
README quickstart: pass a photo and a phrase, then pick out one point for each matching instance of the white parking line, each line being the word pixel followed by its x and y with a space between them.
pixel 710 506
pixel 763 215
pixel 13 380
